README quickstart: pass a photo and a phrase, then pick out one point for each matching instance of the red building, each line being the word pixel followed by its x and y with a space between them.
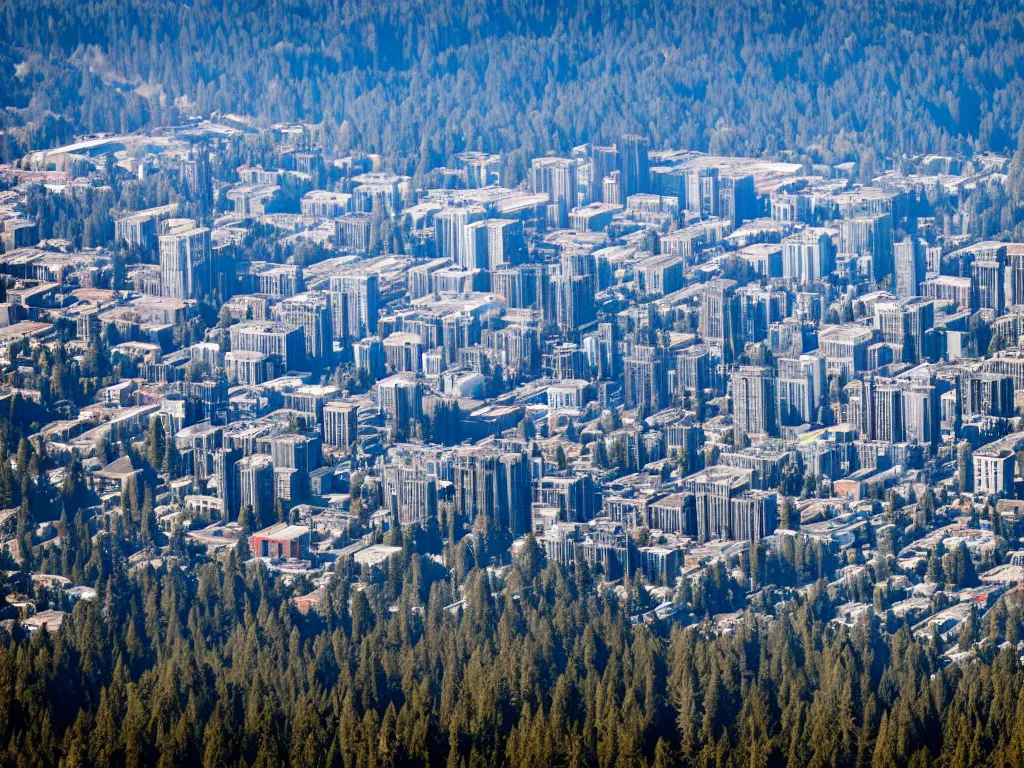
pixel 281 540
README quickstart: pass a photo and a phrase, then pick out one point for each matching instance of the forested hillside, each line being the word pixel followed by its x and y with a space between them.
pixel 220 670
pixel 417 80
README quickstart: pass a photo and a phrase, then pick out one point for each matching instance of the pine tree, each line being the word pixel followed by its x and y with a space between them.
pixel 965 467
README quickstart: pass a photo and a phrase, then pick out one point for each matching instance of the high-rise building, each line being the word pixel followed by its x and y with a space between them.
pixel 790 206
pixel 989 275
pixel 921 422
pixel 1014 274
pixel 908 326
pixel 226 480
pixel 753 402
pixel 888 411
pixel 601 349
pixel 197 177
pixel 719 321
pixel 988 394
pixel 737 199
pixel 341 424
pixel 378 190
pixel 505 244
pixel 312 312
pixel 516 348
pixel 474 246
pixel 411 494
pixel 451 231
pixel 142 227
pixel 495 483
pixel 400 398
pixel 556 177
pixel 909 264
pixel 869 236
pixel 491 244
pixel 634 165
pixel 185 262
pixel 575 287
pixel 368 357
pixel 293 450
pixel 278 281
pixel 703 195
pixel 244 367
pixel 611 189
pixel 355 297
pixel 421 277
pixel 481 169
pixel 403 352
pixel 808 256
pixel 353 231
pixel 255 476
pixel 516 285
pixel 693 369
pixel 801 386
pixel 285 341
pixel 719 512
pixel 645 379
pixel 604 161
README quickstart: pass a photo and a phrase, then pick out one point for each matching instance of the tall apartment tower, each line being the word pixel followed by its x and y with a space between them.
pixel 495 483
pixel 808 256
pixel 719 321
pixel 341 424
pixel 801 386
pixel 604 161
pixel 474 250
pixel 869 235
pixel 888 405
pixel 753 401
pixel 574 301
pixel 355 298
pixel 989 280
pixel 368 357
pixel 555 176
pixel 185 263
pixel 411 493
pixel 611 188
pixel 491 244
pixel 634 165
pixel 505 244
pixel 312 313
pixel 909 264
pixel 645 380
pixel 224 461
pixel 197 176
pixel 702 192
pixel 450 230
pixel 255 475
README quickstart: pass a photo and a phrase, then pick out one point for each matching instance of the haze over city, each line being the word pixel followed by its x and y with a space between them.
pixel 511 384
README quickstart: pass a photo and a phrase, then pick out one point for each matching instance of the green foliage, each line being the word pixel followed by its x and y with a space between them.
pixel 419 81
pixel 218 669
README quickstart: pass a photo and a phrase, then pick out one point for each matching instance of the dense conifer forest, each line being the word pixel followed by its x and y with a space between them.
pixel 185 660
pixel 220 669
pixel 416 81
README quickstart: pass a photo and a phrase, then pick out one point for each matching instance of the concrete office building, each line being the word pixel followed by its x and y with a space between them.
pixel 754 403
pixel 312 312
pixel 185 263
pixel 255 482
pixel 808 256
pixel 555 177
pixel 909 265
pixel 340 424
pixel 355 298
pixel 286 342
